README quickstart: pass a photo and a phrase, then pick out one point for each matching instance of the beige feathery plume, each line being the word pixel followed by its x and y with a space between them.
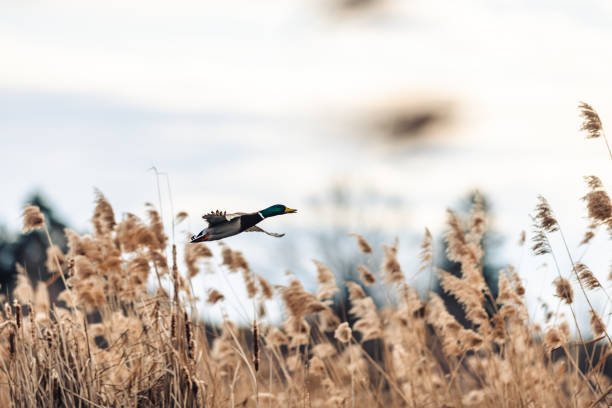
pixel 556 336
pixel 544 218
pixel 194 253
pixel 23 291
pixel 276 338
pixel 214 296
pixel 355 291
pixel 367 277
pixel 390 267
pixel 586 276
pixel 54 252
pixel 364 246
pixel 343 332
pixel 591 123
pixel 267 290
pixel 180 217
pixel 103 218
pixel 598 202
pixel 324 350
pixel 157 227
pixel 326 280
pixel 522 238
pixel 426 254
pixel 32 218
pixel 597 325
pixel 564 290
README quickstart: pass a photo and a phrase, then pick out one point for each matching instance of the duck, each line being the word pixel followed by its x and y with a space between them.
pixel 222 225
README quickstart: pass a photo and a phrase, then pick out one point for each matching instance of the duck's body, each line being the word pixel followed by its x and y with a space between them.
pixel 222 225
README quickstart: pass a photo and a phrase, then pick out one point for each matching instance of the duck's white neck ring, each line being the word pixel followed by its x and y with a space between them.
pixel 262 217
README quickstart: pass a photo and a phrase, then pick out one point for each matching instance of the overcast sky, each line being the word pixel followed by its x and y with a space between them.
pixel 250 103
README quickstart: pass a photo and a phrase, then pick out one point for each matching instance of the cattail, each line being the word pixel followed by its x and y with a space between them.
pixel 193 254
pixel 103 219
pixel 32 218
pixel 255 346
pixel 343 333
pixel 214 296
pixel 586 276
pixel 426 254
pixel 390 266
pixel 564 290
pixel 12 342
pixel 597 325
pixel 188 336
pixel 591 123
pixel 17 307
pixel 367 277
pixel 362 244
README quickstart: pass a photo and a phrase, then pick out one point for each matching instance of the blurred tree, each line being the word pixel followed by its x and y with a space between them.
pixel 30 250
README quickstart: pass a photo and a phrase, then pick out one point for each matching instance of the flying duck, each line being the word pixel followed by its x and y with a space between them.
pixel 222 225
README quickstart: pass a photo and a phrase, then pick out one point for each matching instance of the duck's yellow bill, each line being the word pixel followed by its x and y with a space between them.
pixel 290 210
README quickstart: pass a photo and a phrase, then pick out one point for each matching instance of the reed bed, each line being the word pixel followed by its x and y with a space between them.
pixel 111 340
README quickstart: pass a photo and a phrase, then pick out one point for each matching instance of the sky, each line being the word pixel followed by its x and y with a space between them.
pixel 246 104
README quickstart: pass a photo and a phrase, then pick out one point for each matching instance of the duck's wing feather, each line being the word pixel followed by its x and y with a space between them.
pixel 219 217
pixel 257 229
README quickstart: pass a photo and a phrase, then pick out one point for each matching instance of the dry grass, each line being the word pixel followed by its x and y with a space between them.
pixel 113 342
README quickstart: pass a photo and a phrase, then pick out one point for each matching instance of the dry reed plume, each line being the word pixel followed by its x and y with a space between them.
pixel 113 342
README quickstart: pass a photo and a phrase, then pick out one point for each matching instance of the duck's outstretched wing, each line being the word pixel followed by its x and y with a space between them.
pixel 219 217
pixel 257 229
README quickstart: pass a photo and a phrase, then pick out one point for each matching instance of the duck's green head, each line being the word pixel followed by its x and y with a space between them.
pixel 277 209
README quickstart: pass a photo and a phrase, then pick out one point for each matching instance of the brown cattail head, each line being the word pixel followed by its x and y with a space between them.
pixel 564 290
pixel 32 218
pixel 591 123
pixel 255 346
pixel 362 244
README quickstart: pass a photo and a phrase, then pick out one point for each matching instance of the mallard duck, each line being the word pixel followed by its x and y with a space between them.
pixel 222 225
